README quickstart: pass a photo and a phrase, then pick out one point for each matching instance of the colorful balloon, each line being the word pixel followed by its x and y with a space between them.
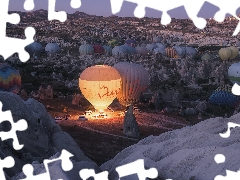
pixel 100 85
pixel 234 73
pixel 10 79
pixel 135 80
pixel 223 96
pixel 171 52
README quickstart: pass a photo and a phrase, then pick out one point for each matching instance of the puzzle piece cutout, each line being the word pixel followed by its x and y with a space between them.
pixel 137 167
pixel 230 175
pixel 8 162
pixel 236 89
pixel 15 45
pixel 220 158
pixel 66 164
pixel 87 173
pixel 10 45
pixel 21 125
pixel 227 133
pixel 192 8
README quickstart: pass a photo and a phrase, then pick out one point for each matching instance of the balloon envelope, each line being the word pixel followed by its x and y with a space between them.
pixel 160 45
pixel 234 73
pixel 98 48
pixel 234 52
pixel 86 49
pixel 52 49
pixel 119 50
pixel 10 79
pixel 181 51
pixel 135 80
pixel 223 96
pixel 151 47
pixel 100 85
pixel 34 49
pixel 191 52
pixel 107 49
pixel 141 50
pixel 160 50
pixel 171 52
pixel 225 54
pixel 130 49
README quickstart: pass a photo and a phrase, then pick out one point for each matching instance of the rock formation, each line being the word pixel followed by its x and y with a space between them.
pixel 130 125
pixel 42 139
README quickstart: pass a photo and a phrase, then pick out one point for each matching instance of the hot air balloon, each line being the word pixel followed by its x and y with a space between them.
pixel 234 52
pixel 130 49
pixel 234 73
pixel 98 49
pixel 223 96
pixel 100 85
pixel 191 52
pixel 119 50
pixel 135 80
pixel 160 50
pixel 34 49
pixel 107 49
pixel 141 50
pixel 181 51
pixel 10 79
pixel 86 49
pixel 171 52
pixel 151 47
pixel 160 45
pixel 52 49
pixel 131 42
pixel 225 54
pixel 113 43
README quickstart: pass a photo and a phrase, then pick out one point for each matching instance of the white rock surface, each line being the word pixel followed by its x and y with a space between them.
pixel 41 140
pixel 186 153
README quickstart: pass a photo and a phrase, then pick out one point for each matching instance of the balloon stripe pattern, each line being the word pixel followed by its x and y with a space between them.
pixel 171 52
pixel 10 79
pixel 86 49
pixel 223 96
pixel 135 80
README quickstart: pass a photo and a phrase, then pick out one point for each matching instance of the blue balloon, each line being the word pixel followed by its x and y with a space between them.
pixel 86 49
pixel 107 49
pixel 34 49
pixel 52 49
pixel 223 96
pixel 119 50
pixel 130 49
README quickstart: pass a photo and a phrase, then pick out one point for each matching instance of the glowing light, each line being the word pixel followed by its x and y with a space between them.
pixel 100 85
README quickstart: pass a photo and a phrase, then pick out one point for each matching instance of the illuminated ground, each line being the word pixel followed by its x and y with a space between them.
pixel 102 139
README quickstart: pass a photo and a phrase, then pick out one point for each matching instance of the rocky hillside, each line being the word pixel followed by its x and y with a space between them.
pixel 42 139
